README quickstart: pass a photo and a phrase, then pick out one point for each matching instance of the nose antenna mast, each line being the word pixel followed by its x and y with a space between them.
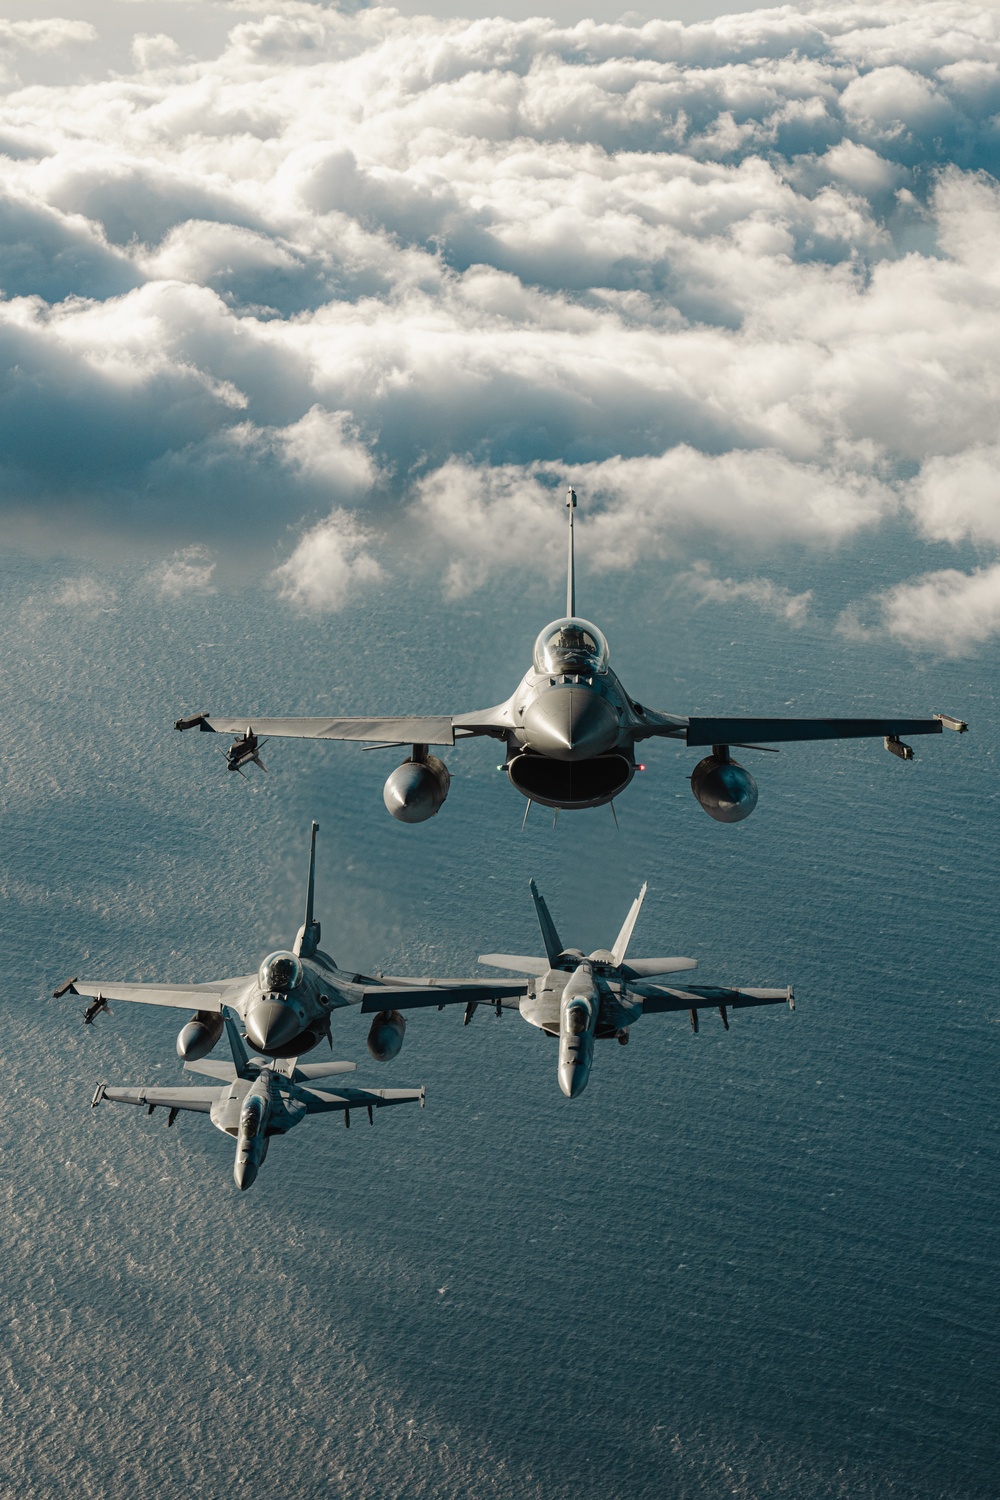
pixel 571 570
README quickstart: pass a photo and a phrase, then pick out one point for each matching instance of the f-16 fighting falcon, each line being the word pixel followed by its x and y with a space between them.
pixel 570 731
pixel 260 1098
pixel 286 1006
pixel 578 997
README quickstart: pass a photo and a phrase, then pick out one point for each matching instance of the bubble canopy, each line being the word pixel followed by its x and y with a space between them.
pixel 279 973
pixel 571 647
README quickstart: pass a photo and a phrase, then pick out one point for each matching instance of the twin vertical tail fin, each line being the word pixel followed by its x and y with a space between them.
pixel 624 937
pixel 571 566
pixel 553 947
pixel 307 940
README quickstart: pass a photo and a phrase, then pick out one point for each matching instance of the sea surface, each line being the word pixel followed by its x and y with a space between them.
pixel 761 1263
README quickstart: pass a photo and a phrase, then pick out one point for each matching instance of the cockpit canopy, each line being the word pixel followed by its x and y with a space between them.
pixel 279 973
pixel 577 1017
pixel 251 1116
pixel 573 648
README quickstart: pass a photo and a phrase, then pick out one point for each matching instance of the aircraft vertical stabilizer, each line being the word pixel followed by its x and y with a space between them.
pixel 307 939
pixel 571 568
pixel 553 947
pixel 622 940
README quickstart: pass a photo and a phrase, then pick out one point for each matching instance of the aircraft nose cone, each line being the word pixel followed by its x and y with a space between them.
pixel 573 1075
pixel 570 722
pixel 244 1172
pixel 270 1024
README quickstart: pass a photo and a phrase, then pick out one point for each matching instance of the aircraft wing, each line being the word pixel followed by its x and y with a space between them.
pixel 210 997
pixel 199 1099
pixel 697 731
pixel 662 997
pixel 415 996
pixel 323 1101
pixel 418 729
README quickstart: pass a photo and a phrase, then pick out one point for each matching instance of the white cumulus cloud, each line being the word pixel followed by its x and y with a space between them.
pixel 330 560
pixel 948 612
pixel 737 280
pixel 188 571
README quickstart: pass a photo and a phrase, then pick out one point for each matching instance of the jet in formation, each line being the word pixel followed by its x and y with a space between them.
pixel 570 731
pixel 580 998
pixel 286 1006
pixel 258 1098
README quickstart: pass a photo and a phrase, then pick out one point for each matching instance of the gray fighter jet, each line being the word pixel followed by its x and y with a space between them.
pixel 570 730
pixel 259 1098
pixel 287 1005
pixel 578 997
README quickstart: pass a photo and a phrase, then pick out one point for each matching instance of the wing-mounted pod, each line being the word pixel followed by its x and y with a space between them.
pixel 385 1037
pixel 417 789
pixel 724 788
pixel 199 1036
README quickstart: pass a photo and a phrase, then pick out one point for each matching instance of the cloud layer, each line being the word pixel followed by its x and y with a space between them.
pixel 738 280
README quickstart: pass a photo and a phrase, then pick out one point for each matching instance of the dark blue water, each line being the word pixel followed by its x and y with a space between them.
pixel 761 1263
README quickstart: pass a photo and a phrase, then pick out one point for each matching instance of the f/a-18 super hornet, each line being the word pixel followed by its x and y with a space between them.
pixel 259 1098
pixel 580 997
pixel 570 731
pixel 286 1006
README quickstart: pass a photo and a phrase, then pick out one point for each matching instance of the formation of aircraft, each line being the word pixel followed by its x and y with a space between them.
pixel 258 1098
pixel 286 1005
pixel 580 998
pixel 570 729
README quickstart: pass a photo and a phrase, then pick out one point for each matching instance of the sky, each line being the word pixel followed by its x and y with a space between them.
pixel 325 294
pixel 308 316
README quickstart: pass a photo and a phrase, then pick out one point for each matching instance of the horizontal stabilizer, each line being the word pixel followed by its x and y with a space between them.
pixel 212 1068
pixel 522 963
pixel 413 997
pixel 322 1070
pixel 646 968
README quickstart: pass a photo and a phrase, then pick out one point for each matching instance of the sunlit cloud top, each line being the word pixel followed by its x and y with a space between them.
pixel 744 271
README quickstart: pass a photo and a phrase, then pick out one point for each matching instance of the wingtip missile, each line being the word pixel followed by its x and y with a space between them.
pixel 948 722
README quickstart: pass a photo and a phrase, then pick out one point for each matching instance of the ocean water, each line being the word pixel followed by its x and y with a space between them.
pixel 761 1263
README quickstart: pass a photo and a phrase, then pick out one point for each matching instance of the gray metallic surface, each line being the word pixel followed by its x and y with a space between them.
pixel 287 1022
pixel 570 729
pixel 258 1099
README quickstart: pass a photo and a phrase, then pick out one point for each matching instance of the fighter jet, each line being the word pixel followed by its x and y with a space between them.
pixel 581 997
pixel 570 730
pixel 259 1098
pixel 287 1005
